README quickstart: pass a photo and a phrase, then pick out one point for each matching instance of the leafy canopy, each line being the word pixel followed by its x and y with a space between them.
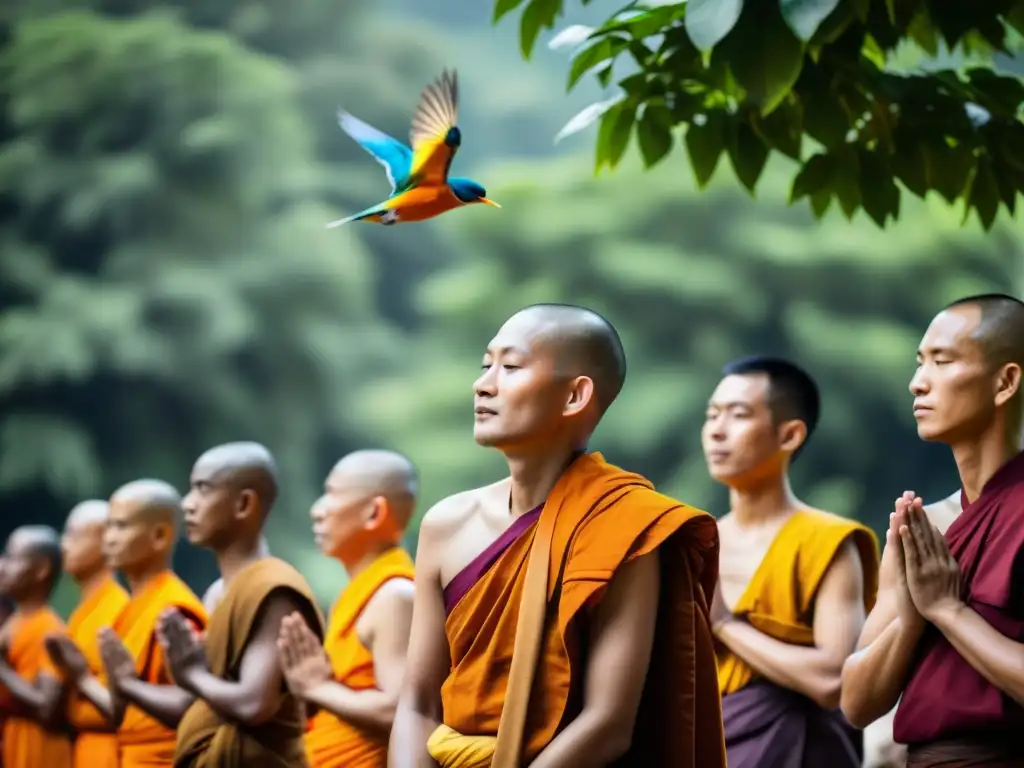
pixel 749 77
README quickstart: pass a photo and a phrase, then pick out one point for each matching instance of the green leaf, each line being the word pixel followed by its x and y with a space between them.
pixel 805 16
pixel 704 145
pixel 813 178
pixel 911 166
pixel 539 14
pixel 503 7
pixel 820 203
pixel 602 50
pixel 620 125
pixel 878 192
pixel 949 168
pixel 709 21
pixel 846 181
pixel 764 57
pixel 924 33
pixel 1007 183
pixel 1015 18
pixel 654 133
pixel 748 155
pixel 1001 93
pixel 783 128
pixel 1011 146
pixel 983 193
pixel 825 120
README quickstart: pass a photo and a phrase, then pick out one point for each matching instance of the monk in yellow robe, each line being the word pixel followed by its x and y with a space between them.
pixel 241 712
pixel 561 615
pixel 102 599
pixel 795 583
pixel 33 734
pixel 137 694
pixel 354 679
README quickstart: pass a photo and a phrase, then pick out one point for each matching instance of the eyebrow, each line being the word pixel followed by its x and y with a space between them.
pixel 730 404
pixel 934 350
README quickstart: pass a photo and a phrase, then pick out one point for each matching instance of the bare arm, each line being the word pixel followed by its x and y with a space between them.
pixel 617 661
pixel 814 671
pixel 389 620
pixel 41 699
pixel 418 712
pixel 167 703
pixel 874 677
pixel 97 693
pixel 256 696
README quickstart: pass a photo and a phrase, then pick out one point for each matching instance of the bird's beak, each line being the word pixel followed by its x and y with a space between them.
pixel 488 202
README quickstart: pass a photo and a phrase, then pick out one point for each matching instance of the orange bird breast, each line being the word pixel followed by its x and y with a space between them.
pixel 424 202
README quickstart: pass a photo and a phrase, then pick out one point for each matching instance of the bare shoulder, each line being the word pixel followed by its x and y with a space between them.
pixel 393 600
pixel 452 512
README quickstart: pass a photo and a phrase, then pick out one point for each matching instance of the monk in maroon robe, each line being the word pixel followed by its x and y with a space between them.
pixel 947 633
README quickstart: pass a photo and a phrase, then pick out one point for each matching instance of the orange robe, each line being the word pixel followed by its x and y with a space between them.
pixel 602 517
pixel 330 741
pixel 26 742
pixel 145 742
pixel 779 600
pixel 94 748
pixel 205 738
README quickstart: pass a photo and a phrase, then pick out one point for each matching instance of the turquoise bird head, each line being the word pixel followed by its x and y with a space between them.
pixel 468 191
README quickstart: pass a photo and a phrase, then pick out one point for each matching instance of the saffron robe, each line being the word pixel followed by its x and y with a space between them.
pixel 95 746
pixel 144 741
pixel 945 697
pixel 330 741
pixel 601 517
pixel 205 738
pixel 25 741
pixel 779 601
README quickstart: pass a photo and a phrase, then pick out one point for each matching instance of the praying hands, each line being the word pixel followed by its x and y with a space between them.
pixel 303 660
pixel 183 647
pixel 933 576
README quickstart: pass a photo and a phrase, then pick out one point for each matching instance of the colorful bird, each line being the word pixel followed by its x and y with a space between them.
pixel 420 186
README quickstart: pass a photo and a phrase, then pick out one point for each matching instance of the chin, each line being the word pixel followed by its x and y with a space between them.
pixel 931 434
pixel 486 439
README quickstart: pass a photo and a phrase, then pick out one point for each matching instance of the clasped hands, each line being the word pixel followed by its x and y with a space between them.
pixel 927 569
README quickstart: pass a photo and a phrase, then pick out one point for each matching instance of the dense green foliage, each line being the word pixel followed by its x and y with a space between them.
pixel 166 282
pixel 811 80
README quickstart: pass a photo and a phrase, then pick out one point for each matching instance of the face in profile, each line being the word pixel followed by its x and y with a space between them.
pixel 954 388
pixel 741 440
pixel 129 540
pixel 520 399
pixel 210 508
pixel 82 547
pixel 345 518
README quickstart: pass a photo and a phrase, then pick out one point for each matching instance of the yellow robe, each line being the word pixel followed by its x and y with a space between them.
pixel 94 748
pixel 779 600
pixel 330 741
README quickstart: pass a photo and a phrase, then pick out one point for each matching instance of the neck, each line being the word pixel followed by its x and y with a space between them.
pixel 533 477
pixel 759 502
pixel 237 556
pixel 354 567
pixel 31 604
pixel 979 459
pixel 90 583
pixel 136 581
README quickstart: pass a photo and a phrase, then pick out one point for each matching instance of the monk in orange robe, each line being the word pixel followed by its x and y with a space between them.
pixel 78 653
pixel 561 615
pixel 795 582
pixel 33 734
pixel 241 712
pixel 354 679
pixel 137 694
pixel 947 636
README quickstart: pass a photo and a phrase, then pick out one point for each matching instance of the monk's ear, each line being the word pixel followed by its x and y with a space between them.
pixel 248 503
pixel 1007 383
pixel 792 435
pixel 581 392
pixel 379 511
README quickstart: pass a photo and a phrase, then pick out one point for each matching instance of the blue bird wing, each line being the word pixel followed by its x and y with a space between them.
pixel 435 136
pixel 386 150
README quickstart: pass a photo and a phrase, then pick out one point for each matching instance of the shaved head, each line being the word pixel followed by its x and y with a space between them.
pixel 38 542
pixel 585 344
pixel 245 466
pixel 381 473
pixel 90 512
pixel 1000 333
pixel 153 500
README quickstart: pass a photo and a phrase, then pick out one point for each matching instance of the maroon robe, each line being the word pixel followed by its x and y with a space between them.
pixel 946 699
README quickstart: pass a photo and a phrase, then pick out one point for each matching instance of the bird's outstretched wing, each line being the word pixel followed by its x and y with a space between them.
pixel 435 135
pixel 386 150
pixel 373 213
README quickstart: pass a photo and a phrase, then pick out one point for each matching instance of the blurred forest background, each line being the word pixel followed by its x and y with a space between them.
pixel 166 281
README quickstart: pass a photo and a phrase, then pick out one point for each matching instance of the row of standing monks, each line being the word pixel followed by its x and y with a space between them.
pixel 567 615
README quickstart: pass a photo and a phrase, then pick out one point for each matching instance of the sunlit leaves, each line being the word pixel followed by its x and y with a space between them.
pixel 756 78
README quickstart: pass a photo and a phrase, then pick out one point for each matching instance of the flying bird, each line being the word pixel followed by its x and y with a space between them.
pixel 420 185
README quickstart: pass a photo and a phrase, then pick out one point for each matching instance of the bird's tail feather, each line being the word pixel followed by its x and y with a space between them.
pixel 376 210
